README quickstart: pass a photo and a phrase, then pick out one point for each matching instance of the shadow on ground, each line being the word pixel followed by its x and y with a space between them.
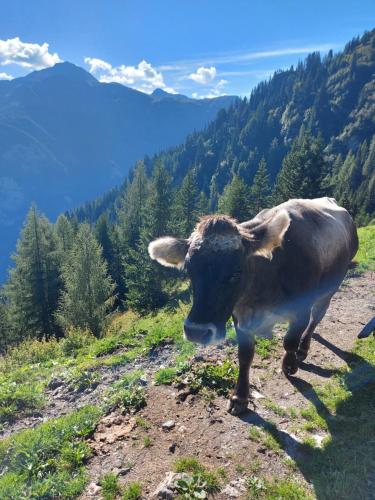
pixel 344 468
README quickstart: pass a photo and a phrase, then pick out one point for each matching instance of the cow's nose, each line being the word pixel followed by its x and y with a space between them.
pixel 198 332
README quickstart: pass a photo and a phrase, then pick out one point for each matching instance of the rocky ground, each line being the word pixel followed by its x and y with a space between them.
pixel 144 447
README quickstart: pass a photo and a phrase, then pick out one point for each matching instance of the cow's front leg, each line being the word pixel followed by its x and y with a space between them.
pixel 239 400
pixel 292 341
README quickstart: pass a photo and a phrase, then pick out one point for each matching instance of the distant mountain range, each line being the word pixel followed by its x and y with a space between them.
pixel 332 97
pixel 66 138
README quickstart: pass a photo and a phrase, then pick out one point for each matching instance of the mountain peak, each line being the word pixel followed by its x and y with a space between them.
pixel 64 69
pixel 160 93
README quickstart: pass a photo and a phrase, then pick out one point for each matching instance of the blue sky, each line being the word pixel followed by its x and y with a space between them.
pixel 196 47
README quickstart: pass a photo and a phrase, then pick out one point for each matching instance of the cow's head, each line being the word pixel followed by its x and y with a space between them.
pixel 215 258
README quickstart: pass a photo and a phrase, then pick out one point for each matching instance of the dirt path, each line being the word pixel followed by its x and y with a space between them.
pixel 201 427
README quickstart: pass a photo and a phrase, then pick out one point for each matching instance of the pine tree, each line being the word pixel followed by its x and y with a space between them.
pixel 33 285
pixel 116 265
pixel 203 205
pixel 260 189
pixel 235 200
pixel 303 170
pixel 132 213
pixel 88 290
pixel 64 232
pixel 102 234
pixel 4 326
pixel 185 212
pixel 158 206
pixel 144 278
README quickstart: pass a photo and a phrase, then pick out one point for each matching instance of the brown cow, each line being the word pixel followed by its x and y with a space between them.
pixel 283 265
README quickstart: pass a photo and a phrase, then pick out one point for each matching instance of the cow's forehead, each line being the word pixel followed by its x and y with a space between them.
pixel 214 242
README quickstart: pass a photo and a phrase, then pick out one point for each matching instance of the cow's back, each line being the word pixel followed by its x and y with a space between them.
pixel 318 246
pixel 323 229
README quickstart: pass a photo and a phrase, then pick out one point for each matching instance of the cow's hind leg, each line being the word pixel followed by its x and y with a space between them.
pixel 317 314
pixel 239 400
pixel 292 341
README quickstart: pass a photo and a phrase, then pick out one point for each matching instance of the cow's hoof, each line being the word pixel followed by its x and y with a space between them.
pixel 237 406
pixel 290 364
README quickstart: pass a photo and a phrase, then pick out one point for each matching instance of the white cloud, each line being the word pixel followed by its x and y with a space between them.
pixel 245 56
pixel 143 77
pixel 203 75
pixel 215 91
pixel 6 76
pixel 27 55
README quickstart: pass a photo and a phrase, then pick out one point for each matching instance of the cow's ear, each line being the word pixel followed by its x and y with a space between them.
pixel 168 251
pixel 263 239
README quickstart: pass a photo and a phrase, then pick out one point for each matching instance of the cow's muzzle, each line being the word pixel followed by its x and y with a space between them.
pixel 203 333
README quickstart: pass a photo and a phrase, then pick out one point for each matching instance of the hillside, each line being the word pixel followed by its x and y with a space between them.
pixel 66 138
pixel 82 417
pixel 332 97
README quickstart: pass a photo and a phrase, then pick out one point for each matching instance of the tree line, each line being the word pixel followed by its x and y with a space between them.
pixel 74 274
pixel 307 132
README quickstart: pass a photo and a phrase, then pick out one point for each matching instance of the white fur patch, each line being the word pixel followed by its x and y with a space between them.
pixel 168 251
pixel 216 242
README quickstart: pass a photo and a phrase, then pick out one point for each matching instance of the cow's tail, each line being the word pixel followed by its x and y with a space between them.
pixel 368 329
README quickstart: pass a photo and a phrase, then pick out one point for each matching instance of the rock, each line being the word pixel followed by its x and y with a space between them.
pixel 167 488
pixel 93 490
pixel 168 425
pixel 55 383
pixel 143 380
pixel 239 484
pixel 256 395
pixel 230 492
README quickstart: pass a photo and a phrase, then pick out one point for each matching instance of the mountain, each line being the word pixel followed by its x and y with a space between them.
pixel 66 138
pixel 331 97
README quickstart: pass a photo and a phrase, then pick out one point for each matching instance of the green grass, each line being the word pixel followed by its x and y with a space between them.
pixel 208 478
pixel 27 368
pixel 147 442
pixel 276 489
pixel 127 394
pixel 265 348
pixel 275 408
pixel 342 467
pixel 366 253
pixel 110 486
pixel 141 422
pixel 133 491
pixel 166 376
pixel 48 461
pixel 22 392
pixel 268 436
pixel 219 378
pixel 314 420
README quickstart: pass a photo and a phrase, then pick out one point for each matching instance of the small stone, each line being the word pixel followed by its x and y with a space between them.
pixel 55 383
pixel 172 447
pixel 230 492
pixel 93 490
pixel 166 488
pixel 168 425
pixel 256 395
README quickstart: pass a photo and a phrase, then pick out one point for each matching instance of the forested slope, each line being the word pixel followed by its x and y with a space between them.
pixel 333 98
